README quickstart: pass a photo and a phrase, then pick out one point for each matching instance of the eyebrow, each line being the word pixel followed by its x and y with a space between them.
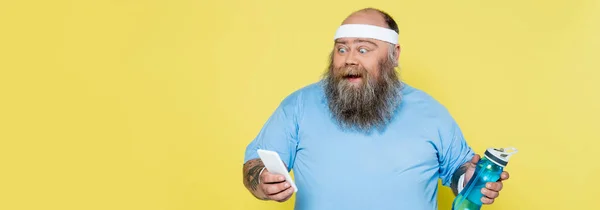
pixel 358 41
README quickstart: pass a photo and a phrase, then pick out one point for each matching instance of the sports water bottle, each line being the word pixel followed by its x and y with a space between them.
pixel 488 169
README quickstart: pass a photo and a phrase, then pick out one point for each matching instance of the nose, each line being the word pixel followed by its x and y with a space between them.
pixel 351 58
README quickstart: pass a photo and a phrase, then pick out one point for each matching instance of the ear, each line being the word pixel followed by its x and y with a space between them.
pixel 397 54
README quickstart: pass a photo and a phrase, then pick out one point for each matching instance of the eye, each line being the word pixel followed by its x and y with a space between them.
pixel 342 50
pixel 363 50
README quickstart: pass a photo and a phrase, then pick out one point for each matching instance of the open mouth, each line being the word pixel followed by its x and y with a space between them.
pixel 352 76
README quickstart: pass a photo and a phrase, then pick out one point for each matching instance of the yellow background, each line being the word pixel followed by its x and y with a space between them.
pixel 149 104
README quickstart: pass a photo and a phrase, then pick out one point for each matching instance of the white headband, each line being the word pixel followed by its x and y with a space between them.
pixel 367 31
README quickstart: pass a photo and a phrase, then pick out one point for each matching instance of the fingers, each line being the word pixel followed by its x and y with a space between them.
pixel 475 159
pixel 278 192
pixel 275 187
pixel 494 186
pixel 272 189
pixel 504 176
pixel 269 178
pixel 490 193
pixel 283 196
pixel 486 200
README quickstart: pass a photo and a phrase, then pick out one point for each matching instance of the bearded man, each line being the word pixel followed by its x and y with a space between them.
pixel 360 138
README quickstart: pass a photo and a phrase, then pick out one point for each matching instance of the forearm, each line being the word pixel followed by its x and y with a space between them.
pixel 252 170
pixel 456 177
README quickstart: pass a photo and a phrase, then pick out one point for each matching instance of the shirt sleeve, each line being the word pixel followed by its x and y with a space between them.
pixel 454 151
pixel 279 133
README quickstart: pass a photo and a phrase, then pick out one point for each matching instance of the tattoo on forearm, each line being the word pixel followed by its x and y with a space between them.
pixel 252 170
pixel 456 176
pixel 253 176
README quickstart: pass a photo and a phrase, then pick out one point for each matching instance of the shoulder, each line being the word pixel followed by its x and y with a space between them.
pixel 297 100
pixel 425 105
pixel 296 97
pixel 432 116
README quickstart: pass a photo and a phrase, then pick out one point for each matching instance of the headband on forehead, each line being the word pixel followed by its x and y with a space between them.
pixel 367 31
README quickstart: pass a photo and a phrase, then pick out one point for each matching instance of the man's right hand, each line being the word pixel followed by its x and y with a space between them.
pixel 265 185
pixel 274 186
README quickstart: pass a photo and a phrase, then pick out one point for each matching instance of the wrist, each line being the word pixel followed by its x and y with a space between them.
pixel 260 173
pixel 461 183
pixel 259 193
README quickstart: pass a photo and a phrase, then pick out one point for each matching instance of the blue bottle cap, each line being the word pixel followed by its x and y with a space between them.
pixel 500 156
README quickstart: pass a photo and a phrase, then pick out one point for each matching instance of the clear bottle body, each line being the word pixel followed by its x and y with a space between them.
pixel 470 197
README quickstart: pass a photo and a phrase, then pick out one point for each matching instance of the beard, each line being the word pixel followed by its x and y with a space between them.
pixel 367 105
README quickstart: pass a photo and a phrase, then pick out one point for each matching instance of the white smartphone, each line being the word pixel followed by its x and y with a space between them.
pixel 275 165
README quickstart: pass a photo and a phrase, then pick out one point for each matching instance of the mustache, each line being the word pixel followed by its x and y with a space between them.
pixel 345 72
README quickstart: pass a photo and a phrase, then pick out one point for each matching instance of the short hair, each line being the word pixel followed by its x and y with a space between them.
pixel 389 20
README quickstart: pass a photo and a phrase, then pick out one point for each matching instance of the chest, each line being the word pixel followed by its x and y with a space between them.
pixel 403 148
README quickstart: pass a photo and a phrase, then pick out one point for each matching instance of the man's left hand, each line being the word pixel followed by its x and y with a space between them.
pixel 492 189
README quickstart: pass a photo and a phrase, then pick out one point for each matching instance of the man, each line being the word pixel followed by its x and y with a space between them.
pixel 360 138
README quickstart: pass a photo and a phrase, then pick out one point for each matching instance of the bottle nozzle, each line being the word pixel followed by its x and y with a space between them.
pixel 501 155
pixel 507 152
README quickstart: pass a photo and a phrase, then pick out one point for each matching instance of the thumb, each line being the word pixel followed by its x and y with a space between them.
pixel 475 159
